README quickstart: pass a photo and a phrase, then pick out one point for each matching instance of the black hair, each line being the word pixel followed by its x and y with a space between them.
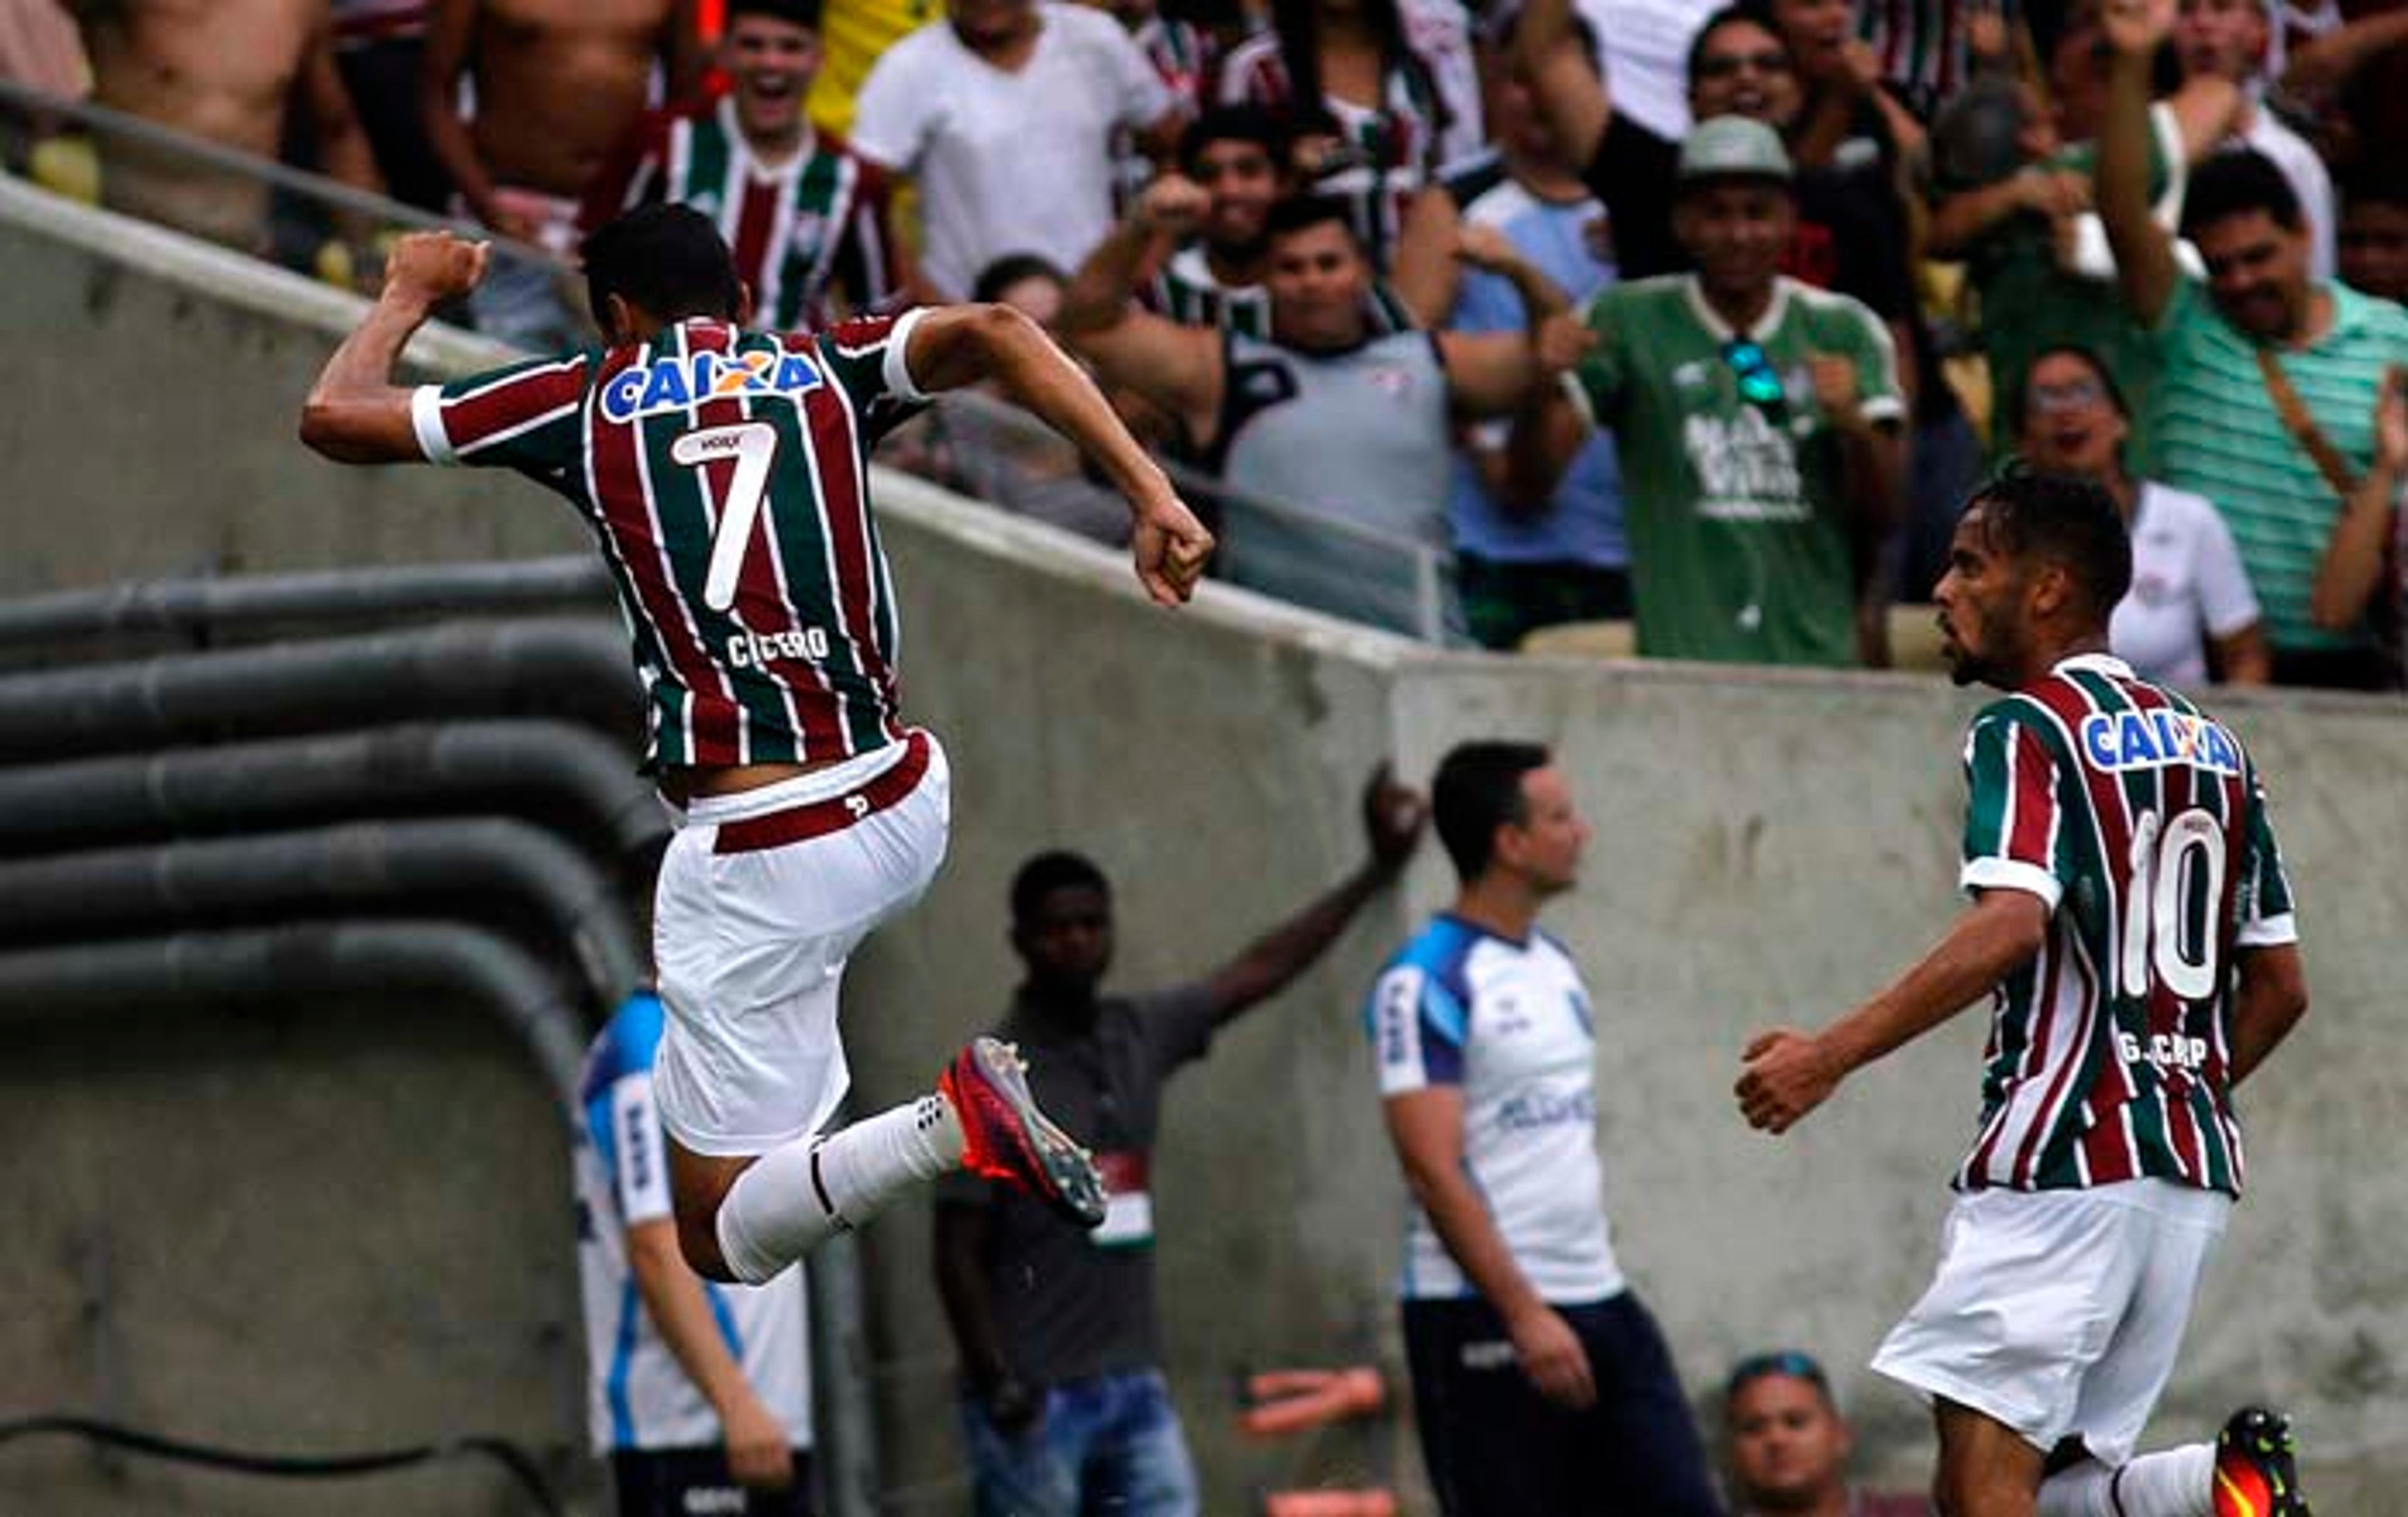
pixel 2231 185
pixel 1008 270
pixel 1293 213
pixel 1297 26
pixel 1750 12
pixel 1049 871
pixel 2375 183
pixel 1233 123
pixel 1477 790
pixel 2021 400
pixel 2028 514
pixel 1796 1363
pixel 667 259
pixel 802 13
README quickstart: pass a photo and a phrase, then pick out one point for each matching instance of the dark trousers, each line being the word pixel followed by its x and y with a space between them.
pixel 689 1483
pixel 1495 1448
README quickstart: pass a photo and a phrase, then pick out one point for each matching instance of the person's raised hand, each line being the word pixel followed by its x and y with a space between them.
pixel 430 267
pixel 2391 420
pixel 1173 205
pixel 2137 28
pixel 1394 814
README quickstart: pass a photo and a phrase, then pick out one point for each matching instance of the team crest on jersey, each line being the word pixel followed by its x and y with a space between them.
pixel 2120 740
pixel 673 383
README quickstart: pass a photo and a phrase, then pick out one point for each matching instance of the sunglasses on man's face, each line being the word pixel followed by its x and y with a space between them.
pixel 1759 383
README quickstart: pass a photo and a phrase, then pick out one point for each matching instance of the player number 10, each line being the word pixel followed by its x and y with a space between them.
pixel 753 445
pixel 2169 864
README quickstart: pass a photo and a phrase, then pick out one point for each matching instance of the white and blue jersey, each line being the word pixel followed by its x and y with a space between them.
pixel 1509 1023
pixel 639 1395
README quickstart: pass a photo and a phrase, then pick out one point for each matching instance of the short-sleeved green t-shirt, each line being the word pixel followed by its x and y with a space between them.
pixel 2220 435
pixel 1739 545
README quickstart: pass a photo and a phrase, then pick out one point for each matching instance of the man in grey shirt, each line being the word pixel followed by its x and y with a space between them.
pixel 1063 1408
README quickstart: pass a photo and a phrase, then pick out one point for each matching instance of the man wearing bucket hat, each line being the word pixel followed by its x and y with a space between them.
pixel 1757 421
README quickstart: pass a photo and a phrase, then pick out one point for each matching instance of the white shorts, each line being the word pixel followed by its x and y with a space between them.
pixel 762 897
pixel 2059 1313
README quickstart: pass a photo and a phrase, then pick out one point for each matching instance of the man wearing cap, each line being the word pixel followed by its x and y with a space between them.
pixel 1757 421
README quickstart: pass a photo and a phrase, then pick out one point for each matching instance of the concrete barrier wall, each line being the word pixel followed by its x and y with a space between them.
pixel 1768 847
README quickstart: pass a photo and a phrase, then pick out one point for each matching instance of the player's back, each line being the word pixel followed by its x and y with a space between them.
pixel 2142 817
pixel 726 473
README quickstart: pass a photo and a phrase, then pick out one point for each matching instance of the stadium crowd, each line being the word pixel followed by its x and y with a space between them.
pixel 1467 280
pixel 1705 316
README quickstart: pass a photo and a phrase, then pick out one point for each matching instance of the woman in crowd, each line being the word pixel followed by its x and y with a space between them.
pixel 2190 610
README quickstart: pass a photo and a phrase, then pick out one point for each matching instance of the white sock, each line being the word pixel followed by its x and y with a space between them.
pixel 795 1197
pixel 2177 1483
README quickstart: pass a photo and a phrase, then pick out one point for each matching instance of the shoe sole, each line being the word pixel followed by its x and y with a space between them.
pixel 1072 1183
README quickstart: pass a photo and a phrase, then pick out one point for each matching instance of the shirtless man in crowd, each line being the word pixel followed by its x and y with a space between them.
pixel 225 71
pixel 555 84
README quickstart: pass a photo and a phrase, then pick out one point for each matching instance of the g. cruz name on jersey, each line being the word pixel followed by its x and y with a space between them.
pixel 2114 741
pixel 676 381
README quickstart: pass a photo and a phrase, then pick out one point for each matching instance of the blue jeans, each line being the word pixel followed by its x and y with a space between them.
pixel 1106 1447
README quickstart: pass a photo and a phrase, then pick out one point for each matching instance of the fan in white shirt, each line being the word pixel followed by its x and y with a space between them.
pixel 2190 608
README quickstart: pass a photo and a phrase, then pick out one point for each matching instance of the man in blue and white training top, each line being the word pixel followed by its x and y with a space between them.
pixel 1540 1385
pixel 699 1394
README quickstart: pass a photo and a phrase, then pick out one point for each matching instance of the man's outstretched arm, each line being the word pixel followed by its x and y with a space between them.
pixel 355 414
pixel 1789 1073
pixel 953 346
pixel 1393 816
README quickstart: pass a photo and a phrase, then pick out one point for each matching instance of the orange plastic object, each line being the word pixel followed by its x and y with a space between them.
pixel 1329 1504
pixel 1294 1400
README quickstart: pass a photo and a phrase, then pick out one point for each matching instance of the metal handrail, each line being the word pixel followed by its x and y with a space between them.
pixel 1427 567
pixel 108 121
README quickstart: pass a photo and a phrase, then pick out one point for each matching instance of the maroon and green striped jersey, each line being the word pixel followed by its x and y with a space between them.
pixel 2141 822
pixel 725 474
pixel 815 220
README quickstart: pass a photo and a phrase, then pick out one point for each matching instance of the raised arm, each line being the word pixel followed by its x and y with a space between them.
pixel 1548 429
pixel 1872 446
pixel 2319 71
pixel 1789 1073
pixel 1170 208
pixel 2351 571
pixel 355 414
pixel 1393 816
pixel 954 346
pixel 2145 256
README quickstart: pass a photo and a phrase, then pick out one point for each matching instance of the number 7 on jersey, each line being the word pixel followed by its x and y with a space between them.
pixel 753 445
